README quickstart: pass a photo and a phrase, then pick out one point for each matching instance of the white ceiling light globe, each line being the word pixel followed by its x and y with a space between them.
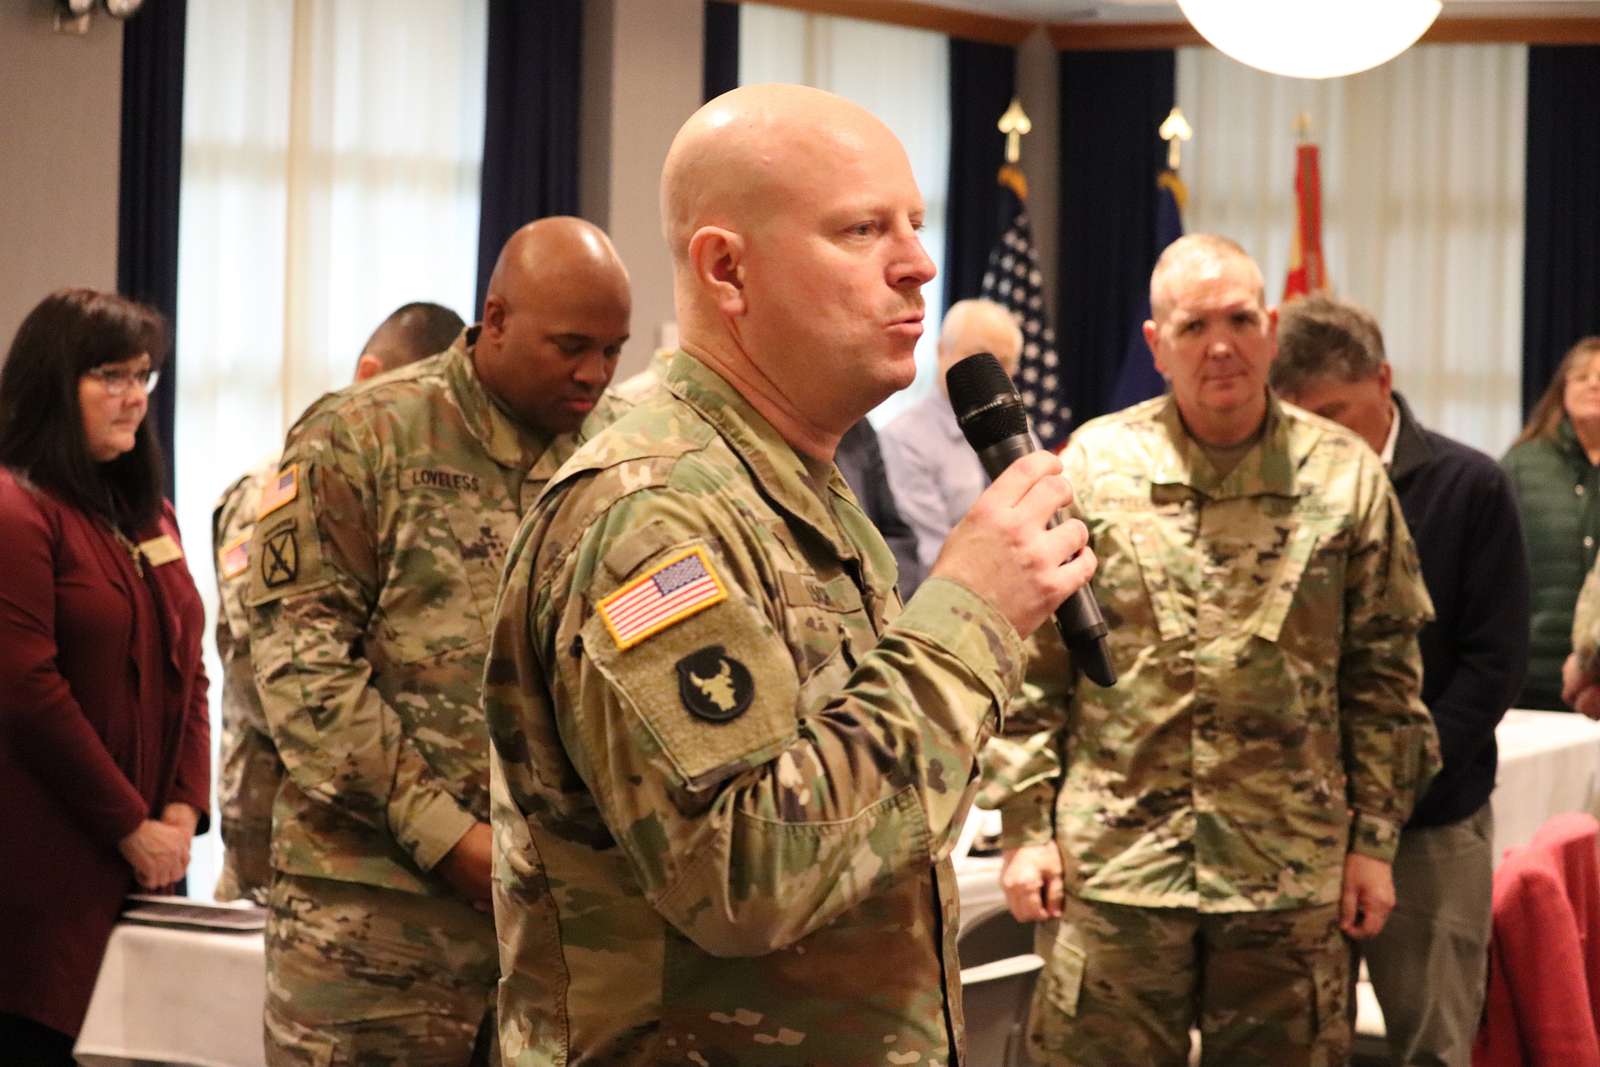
pixel 1311 38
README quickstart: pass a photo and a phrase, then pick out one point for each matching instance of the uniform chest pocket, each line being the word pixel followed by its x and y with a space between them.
pixel 434 598
pixel 826 625
pixel 1284 585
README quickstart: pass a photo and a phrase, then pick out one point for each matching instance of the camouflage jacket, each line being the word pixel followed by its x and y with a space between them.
pixel 374 569
pixel 727 768
pixel 250 769
pixel 1586 623
pixel 1268 718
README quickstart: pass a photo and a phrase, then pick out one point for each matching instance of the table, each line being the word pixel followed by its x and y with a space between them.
pixel 1549 763
pixel 177 996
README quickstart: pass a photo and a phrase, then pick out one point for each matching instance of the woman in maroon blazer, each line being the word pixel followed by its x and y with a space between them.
pixel 104 736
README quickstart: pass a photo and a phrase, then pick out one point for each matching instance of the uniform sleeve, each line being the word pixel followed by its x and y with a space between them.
pixel 916 495
pixel 1586 623
pixel 41 718
pixel 754 805
pixel 1022 765
pixel 314 582
pixel 1391 749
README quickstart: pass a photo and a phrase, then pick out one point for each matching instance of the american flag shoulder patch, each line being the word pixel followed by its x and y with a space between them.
pixel 235 556
pixel 683 585
pixel 279 490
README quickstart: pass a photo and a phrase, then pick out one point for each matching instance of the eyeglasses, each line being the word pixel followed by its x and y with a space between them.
pixel 117 381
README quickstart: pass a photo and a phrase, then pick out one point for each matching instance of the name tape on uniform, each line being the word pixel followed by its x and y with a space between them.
pixel 279 491
pixel 683 585
pixel 161 550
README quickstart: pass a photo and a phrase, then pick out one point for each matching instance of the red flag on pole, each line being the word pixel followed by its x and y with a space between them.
pixel 1307 273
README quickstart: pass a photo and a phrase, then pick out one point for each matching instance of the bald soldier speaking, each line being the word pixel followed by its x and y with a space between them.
pixel 376 559
pixel 727 767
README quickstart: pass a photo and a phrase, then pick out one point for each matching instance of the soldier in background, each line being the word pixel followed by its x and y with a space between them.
pixel 251 770
pixel 727 768
pixel 373 571
pixel 1206 832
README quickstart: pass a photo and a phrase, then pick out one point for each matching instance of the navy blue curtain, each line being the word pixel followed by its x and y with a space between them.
pixel 1561 250
pixel 983 79
pixel 147 193
pixel 720 71
pixel 1112 104
pixel 530 127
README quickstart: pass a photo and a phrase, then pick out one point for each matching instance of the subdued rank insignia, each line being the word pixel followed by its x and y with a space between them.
pixel 714 685
pixel 280 558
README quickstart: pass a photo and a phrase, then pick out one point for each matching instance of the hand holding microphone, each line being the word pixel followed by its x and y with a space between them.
pixel 1046 556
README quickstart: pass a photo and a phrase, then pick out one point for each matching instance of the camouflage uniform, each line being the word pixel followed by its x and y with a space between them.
pixel 251 770
pixel 374 570
pixel 1268 720
pixel 1586 624
pixel 722 838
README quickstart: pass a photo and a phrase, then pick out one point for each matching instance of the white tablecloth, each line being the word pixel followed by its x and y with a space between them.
pixel 178 996
pixel 1549 763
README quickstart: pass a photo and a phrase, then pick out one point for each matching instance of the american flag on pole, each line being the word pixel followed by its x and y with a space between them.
pixel 671 592
pixel 1013 279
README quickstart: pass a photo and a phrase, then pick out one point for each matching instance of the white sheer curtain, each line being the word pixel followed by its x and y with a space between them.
pixel 331 165
pixel 900 75
pixel 1422 205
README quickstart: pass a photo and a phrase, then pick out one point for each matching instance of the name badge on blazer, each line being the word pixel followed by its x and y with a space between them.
pixel 160 550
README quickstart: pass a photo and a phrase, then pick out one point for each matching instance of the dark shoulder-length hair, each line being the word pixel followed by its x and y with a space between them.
pixel 1547 414
pixel 41 422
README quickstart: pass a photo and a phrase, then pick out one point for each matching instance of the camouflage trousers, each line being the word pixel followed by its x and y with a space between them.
pixel 1125 985
pixel 246 786
pixel 359 975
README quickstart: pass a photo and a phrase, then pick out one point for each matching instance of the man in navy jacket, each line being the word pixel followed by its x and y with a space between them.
pixel 1428 964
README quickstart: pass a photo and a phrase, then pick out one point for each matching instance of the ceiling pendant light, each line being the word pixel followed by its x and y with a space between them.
pixel 1311 38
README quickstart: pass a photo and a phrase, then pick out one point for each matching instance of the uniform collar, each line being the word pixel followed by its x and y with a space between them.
pixel 1267 469
pixel 773 463
pixel 506 440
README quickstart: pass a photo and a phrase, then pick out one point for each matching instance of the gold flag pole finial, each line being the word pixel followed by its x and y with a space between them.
pixel 1014 124
pixel 1175 130
pixel 1302 126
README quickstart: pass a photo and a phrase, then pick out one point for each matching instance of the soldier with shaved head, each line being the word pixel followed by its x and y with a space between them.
pixel 372 579
pixel 727 767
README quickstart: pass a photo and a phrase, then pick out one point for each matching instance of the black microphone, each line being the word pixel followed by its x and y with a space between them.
pixel 990 413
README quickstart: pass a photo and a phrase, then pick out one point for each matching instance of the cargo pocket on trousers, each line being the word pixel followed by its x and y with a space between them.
pixel 1328 974
pixel 1055 998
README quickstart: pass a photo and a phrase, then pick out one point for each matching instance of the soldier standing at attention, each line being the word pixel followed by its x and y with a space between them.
pixel 728 769
pixel 1227 813
pixel 376 558
pixel 251 771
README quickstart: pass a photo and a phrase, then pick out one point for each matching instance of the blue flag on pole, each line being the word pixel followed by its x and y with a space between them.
pixel 1137 378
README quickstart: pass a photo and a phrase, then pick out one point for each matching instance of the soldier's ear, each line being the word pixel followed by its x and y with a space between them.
pixel 716 256
pixel 494 315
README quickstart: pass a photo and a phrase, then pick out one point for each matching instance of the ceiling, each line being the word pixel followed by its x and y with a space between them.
pixel 1130 11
